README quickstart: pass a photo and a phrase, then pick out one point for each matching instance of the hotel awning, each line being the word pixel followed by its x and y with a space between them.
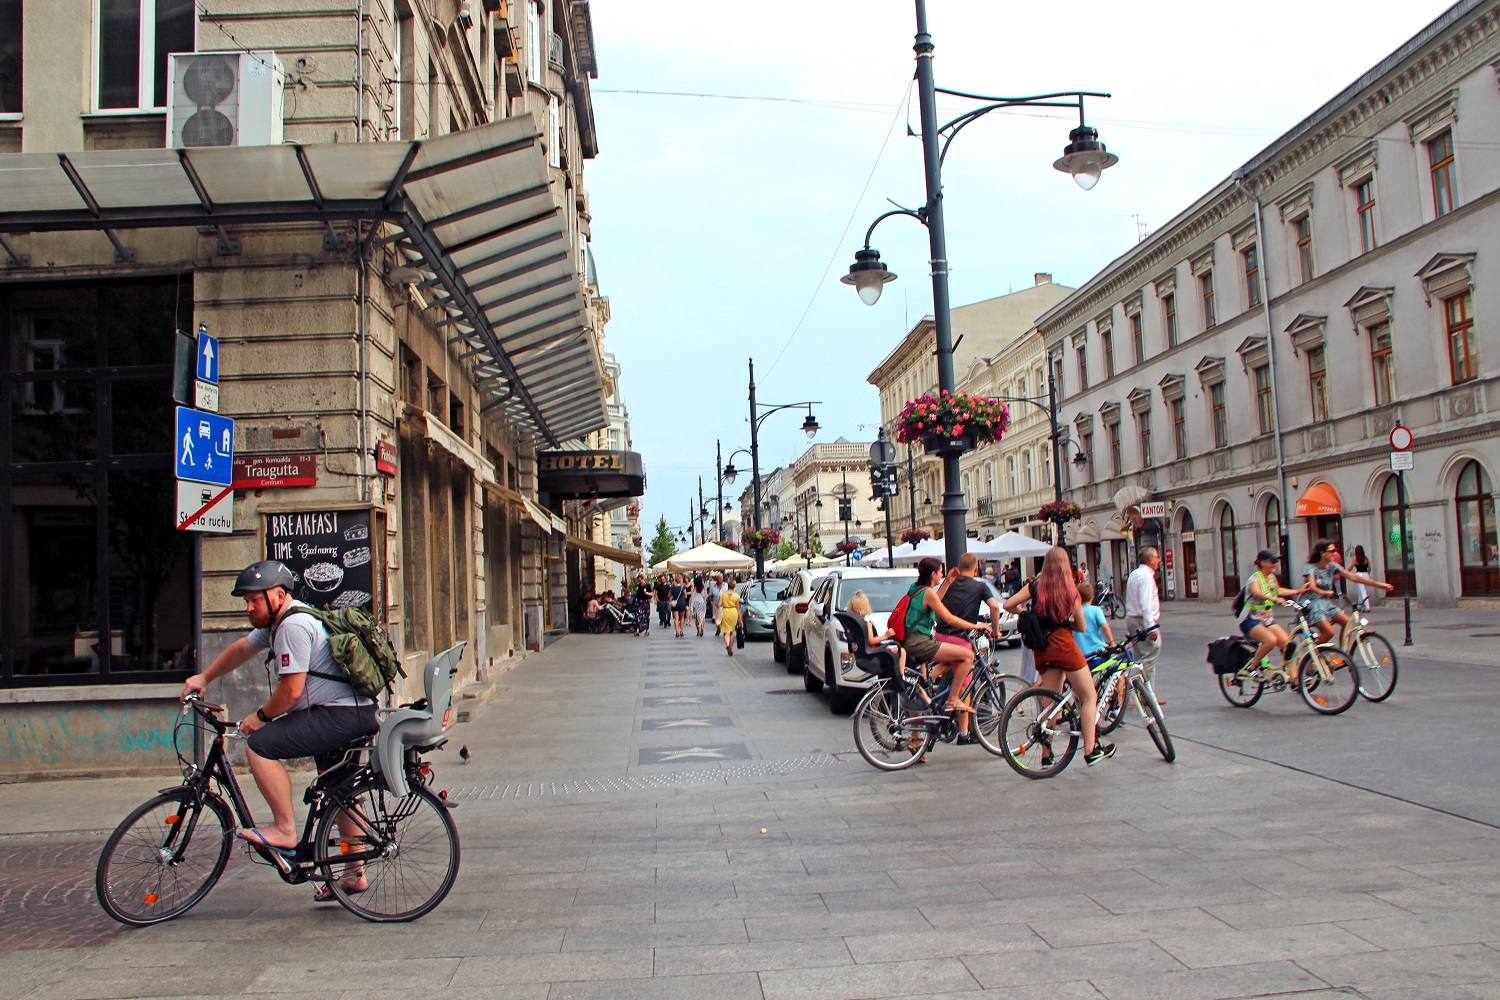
pixel 587 475
pixel 473 209
pixel 608 552
pixel 1317 500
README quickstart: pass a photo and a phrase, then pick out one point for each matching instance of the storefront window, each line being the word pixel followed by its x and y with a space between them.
pixel 1228 552
pixel 96 578
pixel 1477 548
pixel 1390 533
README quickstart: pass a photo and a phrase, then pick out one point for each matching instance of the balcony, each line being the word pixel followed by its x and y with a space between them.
pixel 985 507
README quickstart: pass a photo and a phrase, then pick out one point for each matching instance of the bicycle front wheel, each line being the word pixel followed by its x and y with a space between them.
pixel 408 849
pixel 1155 724
pixel 1039 734
pixel 1375 659
pixel 164 857
pixel 1333 694
pixel 989 707
pixel 880 733
pixel 1112 699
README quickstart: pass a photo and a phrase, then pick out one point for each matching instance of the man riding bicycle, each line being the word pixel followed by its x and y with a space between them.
pixel 313 712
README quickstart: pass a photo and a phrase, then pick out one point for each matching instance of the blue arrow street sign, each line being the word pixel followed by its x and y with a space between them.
pixel 208 358
pixel 205 447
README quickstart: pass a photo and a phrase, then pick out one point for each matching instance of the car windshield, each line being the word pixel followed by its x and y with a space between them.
pixel 763 590
pixel 883 591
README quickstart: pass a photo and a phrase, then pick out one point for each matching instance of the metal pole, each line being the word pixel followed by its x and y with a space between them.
pixel 1405 552
pixel 890 543
pixel 954 532
pixel 702 528
pixel 719 468
pixel 1057 492
pixel 760 552
pixel 911 485
pixel 843 499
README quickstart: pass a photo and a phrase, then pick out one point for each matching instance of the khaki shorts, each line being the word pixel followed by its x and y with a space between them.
pixel 920 647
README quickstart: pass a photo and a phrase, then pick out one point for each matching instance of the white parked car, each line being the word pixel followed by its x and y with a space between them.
pixel 828 661
pixel 786 633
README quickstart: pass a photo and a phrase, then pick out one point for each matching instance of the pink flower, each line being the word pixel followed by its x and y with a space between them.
pixel 958 428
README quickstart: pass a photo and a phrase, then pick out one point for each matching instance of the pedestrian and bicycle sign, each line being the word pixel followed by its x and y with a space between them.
pixel 205 447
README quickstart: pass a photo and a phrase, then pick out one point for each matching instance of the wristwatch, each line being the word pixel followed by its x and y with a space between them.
pixel 260 714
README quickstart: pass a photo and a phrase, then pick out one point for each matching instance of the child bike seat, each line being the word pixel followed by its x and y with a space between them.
pixel 412 726
pixel 879 662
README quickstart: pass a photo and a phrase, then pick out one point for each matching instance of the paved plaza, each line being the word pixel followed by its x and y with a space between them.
pixel 649 818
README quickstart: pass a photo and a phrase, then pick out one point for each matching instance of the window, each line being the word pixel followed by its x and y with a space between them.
pixel 135 38
pixel 1390 533
pixel 1479 556
pixel 1273 525
pixel 1010 475
pixel 1083 367
pixel 1364 203
pixel 1263 398
pixel 1206 290
pixel 1463 344
pixel 1138 337
pixel 1252 274
pixel 534 42
pixel 1143 428
pixel 405 59
pixel 989 479
pixel 1217 412
pixel 1020 386
pixel 1179 428
pixel 1230 556
pixel 1107 337
pixel 1057 373
pixel 1317 381
pixel 1086 445
pixel 1380 362
pixel 554 133
pixel 10 57
pixel 1028 470
pixel 1302 229
pixel 1046 462
pixel 1440 156
pixel 1169 317
pixel 1114 448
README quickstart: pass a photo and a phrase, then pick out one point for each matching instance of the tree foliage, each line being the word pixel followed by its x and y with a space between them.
pixel 663 546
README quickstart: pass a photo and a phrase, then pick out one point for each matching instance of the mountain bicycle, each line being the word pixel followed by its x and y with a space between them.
pixel 1374 656
pixel 1041 728
pixel 165 856
pixel 1327 677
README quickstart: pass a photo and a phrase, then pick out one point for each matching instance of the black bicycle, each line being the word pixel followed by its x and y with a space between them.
pixel 373 813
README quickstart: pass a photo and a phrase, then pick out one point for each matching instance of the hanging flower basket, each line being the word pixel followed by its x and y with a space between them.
pixel 761 538
pixel 1059 512
pixel 951 423
pixel 731 545
pixel 911 536
pixel 844 548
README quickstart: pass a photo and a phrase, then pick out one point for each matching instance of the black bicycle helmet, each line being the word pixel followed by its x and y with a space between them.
pixel 263 576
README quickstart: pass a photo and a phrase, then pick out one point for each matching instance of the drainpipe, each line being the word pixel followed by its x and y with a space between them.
pixel 1265 304
pixel 359 71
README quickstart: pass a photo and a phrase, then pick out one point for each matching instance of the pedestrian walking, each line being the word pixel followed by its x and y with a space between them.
pixel 698 603
pixel 1142 610
pixel 663 591
pixel 1360 563
pixel 728 616
pixel 679 604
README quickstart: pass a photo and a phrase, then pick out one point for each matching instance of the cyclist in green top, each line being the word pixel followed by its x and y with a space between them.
pixel 923 612
pixel 1258 620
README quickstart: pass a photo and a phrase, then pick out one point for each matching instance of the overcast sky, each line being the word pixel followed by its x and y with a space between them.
pixel 722 222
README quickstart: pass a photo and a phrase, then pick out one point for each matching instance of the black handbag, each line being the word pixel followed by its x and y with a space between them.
pixel 739 635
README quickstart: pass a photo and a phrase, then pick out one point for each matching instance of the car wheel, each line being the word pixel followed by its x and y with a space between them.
pixel 796 657
pixel 836 700
pixel 810 680
pixel 778 651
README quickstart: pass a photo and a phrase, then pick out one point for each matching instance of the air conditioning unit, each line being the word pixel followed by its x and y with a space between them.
pixel 225 99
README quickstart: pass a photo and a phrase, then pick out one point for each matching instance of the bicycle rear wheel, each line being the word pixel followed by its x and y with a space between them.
pixel 1155 724
pixel 1113 695
pixel 1039 738
pixel 1375 659
pixel 1333 694
pixel 164 857
pixel 1240 692
pixel 880 733
pixel 409 850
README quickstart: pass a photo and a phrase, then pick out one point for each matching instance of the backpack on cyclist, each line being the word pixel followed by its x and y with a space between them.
pixel 1240 599
pixel 360 647
pixel 897 621
pixel 1033 635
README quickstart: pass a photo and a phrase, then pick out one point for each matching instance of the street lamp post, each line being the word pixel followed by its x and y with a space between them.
pixel 809 427
pixel 883 479
pixel 1084 157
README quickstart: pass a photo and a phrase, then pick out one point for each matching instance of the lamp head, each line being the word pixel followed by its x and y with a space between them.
pixel 868 275
pixel 1085 157
pixel 729 473
pixel 1080 460
pixel 810 425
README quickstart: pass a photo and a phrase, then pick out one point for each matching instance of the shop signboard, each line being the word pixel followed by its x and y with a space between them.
pixel 331 552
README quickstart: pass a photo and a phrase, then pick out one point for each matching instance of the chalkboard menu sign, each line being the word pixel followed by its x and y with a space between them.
pixel 332 553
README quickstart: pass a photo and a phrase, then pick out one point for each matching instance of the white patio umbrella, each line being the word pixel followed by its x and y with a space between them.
pixel 1011 545
pixel 708 556
pixel 911 556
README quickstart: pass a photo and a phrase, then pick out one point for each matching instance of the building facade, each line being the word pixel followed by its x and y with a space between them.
pixel 395 264
pixel 1246 364
pixel 982 332
pixel 814 485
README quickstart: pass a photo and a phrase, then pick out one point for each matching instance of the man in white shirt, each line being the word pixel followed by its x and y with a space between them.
pixel 1142 610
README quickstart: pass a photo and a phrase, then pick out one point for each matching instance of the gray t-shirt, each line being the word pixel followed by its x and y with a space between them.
pixel 301 645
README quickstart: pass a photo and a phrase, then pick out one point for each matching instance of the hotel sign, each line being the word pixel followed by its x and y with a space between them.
pixel 581 461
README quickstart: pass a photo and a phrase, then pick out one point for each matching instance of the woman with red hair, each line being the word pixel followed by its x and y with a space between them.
pixel 1055 599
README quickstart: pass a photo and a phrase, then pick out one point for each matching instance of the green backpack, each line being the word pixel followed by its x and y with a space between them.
pixel 360 647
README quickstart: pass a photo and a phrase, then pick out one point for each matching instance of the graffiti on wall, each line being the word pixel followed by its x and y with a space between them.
pixel 87 734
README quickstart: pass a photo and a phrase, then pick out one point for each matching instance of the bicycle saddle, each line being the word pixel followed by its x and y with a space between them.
pixel 417 727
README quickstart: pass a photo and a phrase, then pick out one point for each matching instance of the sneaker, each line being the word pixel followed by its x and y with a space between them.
pixel 1101 751
pixel 965 739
